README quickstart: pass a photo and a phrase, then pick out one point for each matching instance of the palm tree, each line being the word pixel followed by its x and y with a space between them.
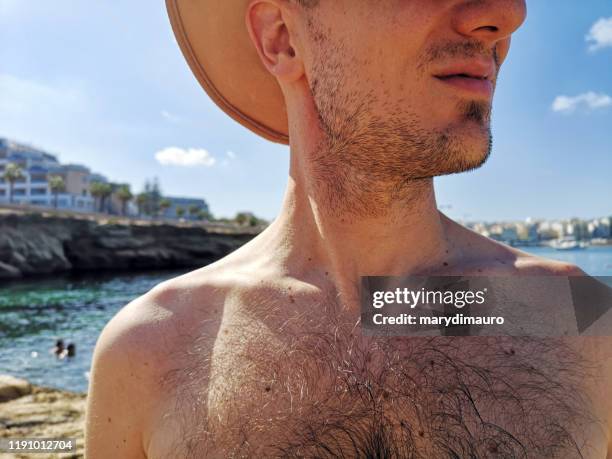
pixel 194 210
pixel 100 191
pixel 124 194
pixel 107 190
pixel 155 196
pixel 180 211
pixel 56 185
pixel 164 204
pixel 97 189
pixel 204 215
pixel 141 202
pixel 12 173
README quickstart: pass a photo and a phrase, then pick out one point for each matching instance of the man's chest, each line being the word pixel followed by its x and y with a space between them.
pixel 326 395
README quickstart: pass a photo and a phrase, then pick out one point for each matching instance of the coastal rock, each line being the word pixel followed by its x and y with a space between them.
pixel 33 243
pixel 8 272
pixel 11 388
pixel 44 413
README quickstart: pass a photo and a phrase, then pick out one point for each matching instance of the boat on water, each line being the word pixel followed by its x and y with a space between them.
pixel 568 244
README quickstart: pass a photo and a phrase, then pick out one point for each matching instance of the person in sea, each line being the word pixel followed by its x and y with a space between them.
pixel 262 354
pixel 69 351
pixel 58 348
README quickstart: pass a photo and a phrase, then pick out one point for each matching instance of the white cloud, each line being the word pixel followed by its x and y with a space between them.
pixel 600 35
pixel 175 156
pixel 231 154
pixel 588 101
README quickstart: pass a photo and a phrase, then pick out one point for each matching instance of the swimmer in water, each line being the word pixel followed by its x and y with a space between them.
pixel 58 348
pixel 69 351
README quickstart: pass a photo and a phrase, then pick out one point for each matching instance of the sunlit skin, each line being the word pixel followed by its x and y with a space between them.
pixel 382 96
pixel 371 122
pixel 389 61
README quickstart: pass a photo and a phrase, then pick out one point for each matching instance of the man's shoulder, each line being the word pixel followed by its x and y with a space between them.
pixel 528 264
pixel 150 324
pixel 185 306
pixel 145 342
pixel 486 256
pixel 514 262
pixel 135 351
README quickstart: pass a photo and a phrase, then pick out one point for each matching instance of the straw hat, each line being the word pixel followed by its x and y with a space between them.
pixel 214 39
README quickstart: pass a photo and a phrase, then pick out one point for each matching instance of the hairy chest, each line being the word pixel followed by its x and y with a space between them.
pixel 329 393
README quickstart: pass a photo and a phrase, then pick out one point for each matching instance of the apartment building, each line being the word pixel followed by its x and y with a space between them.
pixel 36 168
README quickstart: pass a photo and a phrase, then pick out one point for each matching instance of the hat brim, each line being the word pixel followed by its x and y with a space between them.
pixel 214 39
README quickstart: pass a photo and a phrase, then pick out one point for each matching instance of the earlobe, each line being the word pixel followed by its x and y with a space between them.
pixel 271 37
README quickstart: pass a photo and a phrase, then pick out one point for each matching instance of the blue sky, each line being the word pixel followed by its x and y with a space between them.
pixel 103 83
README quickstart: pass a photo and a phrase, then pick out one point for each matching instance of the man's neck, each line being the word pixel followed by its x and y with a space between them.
pixel 407 236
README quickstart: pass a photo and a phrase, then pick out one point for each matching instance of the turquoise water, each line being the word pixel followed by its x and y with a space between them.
pixel 34 313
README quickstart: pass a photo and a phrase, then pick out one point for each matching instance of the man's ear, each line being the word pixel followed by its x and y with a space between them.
pixel 270 35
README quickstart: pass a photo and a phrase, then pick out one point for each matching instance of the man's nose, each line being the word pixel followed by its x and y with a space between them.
pixel 488 21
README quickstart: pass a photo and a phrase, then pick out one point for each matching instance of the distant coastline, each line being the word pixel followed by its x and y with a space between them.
pixel 35 241
pixel 550 243
pixel 547 233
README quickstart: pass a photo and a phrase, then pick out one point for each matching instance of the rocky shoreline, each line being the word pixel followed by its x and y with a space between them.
pixel 40 243
pixel 30 411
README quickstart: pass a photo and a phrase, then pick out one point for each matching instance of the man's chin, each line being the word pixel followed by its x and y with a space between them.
pixel 467 152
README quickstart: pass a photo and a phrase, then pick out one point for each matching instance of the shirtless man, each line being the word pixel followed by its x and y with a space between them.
pixel 261 353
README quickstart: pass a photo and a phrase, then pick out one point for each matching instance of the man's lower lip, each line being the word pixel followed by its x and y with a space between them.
pixel 475 86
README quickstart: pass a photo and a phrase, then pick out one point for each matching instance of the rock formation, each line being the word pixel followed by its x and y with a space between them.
pixel 34 243
pixel 29 411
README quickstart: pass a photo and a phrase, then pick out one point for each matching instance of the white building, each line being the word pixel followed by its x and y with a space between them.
pixel 36 167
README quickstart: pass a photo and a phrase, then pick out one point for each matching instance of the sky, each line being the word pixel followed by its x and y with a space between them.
pixel 103 83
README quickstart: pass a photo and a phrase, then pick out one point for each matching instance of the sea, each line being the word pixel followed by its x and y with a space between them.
pixel 35 313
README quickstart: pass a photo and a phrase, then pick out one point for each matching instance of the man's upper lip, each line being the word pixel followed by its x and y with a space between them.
pixel 482 69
